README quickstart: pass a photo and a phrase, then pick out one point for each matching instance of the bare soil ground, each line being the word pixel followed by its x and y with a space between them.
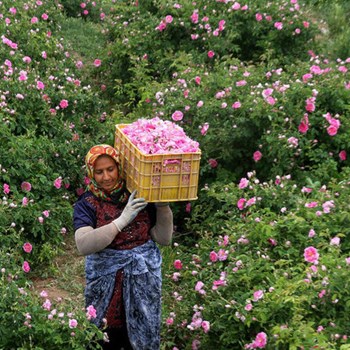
pixel 66 281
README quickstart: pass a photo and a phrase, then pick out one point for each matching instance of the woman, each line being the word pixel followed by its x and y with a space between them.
pixel 117 234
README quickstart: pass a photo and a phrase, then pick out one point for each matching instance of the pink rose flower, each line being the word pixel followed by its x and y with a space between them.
pixel 332 130
pixel 22 76
pixel 213 163
pixel 243 183
pixel 213 256
pixel 251 201
pixel 40 85
pixel 211 54
pixel 306 190
pixel 199 285
pixel 222 255
pixel 73 323
pixel 27 247
pixel 58 182
pixel 194 17
pixel 241 203
pixel 197 79
pixel 176 276
pixel 241 83
pixel 44 294
pixel 169 321
pixel 258 17
pixel 204 128
pixel 304 124
pixel 6 188
pixel 270 100
pixel 91 312
pixel 278 25
pixel 293 141
pixel 257 156
pixel 168 19
pixel 342 155
pixel 259 294
pixel 260 340
pixel 272 241
pixel 26 266
pixel 312 233
pixel 64 104
pixel 161 26
pixel 311 205
pixel 177 116
pixel 307 77
pixel 26 186
pixel 178 264
pixel 335 241
pixel 206 326
pixel 248 307
pixel 311 255
pixel 97 62
pixel 236 105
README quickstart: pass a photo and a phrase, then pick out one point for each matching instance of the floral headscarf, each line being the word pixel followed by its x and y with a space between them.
pixel 118 193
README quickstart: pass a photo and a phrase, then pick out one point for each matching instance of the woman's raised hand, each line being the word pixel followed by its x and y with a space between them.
pixel 133 207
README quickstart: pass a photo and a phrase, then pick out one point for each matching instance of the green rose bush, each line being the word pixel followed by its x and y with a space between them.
pixel 50 117
pixel 268 270
pixel 38 320
pixel 151 41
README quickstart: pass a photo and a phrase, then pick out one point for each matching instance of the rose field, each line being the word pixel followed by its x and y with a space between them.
pixel 261 260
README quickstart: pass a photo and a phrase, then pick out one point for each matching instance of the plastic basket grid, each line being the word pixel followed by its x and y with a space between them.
pixel 158 177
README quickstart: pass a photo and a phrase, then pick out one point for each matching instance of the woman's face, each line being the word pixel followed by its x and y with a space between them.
pixel 106 172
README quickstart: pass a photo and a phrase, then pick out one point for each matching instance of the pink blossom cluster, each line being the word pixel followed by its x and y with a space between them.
pixel 334 124
pixel 198 322
pixel 157 136
pixel 259 343
pixel 243 203
pixel 164 22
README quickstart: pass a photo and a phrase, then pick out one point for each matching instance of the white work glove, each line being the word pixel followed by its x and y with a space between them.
pixel 133 207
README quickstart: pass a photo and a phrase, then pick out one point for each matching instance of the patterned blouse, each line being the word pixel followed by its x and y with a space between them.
pixel 133 241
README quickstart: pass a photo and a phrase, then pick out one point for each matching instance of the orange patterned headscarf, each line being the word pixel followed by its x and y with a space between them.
pixel 118 192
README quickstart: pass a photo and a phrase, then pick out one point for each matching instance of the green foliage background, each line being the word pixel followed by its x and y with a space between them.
pixel 147 72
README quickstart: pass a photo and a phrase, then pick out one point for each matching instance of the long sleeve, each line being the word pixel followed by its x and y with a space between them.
pixel 89 240
pixel 163 230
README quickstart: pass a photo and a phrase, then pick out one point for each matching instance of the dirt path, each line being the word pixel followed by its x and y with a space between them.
pixel 67 281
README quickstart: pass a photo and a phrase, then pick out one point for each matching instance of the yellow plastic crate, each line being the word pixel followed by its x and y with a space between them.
pixel 167 177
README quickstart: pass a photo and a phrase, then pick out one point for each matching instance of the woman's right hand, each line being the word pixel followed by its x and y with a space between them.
pixel 133 207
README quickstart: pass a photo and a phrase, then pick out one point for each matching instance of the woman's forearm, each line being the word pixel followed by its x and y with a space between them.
pixel 89 240
pixel 162 232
